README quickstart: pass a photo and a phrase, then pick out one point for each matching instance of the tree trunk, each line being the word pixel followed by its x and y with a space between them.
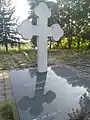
pixel 50 44
pixel 19 45
pixel 57 46
pixel 6 41
pixel 69 43
pixel 6 45
pixel 58 43
pixel 78 43
pixel 88 47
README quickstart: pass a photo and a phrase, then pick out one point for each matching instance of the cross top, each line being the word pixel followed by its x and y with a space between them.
pixel 27 30
pixel 43 10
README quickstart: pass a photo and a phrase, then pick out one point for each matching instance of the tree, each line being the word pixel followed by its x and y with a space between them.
pixel 73 16
pixel 61 14
pixel 32 16
pixel 7 23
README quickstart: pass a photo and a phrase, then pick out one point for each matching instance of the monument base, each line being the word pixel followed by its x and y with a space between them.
pixel 42 96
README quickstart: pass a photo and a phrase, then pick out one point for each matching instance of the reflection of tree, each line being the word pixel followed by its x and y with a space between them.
pixel 72 76
pixel 84 102
pixel 83 113
pixel 32 72
pixel 34 104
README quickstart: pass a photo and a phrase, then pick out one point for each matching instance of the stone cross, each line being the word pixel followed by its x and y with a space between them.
pixel 27 30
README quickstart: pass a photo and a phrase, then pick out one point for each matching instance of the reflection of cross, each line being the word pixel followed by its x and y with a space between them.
pixel 35 103
pixel 27 30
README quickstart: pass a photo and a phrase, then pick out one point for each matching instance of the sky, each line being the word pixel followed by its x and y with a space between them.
pixel 22 9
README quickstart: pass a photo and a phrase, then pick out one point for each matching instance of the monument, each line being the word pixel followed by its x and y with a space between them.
pixel 47 95
pixel 27 30
pixel 42 95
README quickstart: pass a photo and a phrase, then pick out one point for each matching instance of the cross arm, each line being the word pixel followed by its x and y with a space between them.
pixel 27 30
pixel 55 31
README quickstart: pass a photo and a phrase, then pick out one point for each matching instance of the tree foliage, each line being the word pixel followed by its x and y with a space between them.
pixel 7 23
pixel 74 18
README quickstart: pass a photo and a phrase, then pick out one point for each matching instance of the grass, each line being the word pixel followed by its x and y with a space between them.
pixel 32 55
pixel 6 110
pixel 74 58
pixel 26 46
pixel 12 60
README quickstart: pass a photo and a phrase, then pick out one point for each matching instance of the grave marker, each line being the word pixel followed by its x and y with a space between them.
pixel 27 30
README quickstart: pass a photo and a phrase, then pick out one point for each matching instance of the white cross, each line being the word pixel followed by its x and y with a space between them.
pixel 27 30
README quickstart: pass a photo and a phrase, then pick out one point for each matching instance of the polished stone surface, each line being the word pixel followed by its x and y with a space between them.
pixel 42 96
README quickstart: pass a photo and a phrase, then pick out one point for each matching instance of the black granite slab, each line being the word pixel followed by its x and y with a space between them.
pixel 49 95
